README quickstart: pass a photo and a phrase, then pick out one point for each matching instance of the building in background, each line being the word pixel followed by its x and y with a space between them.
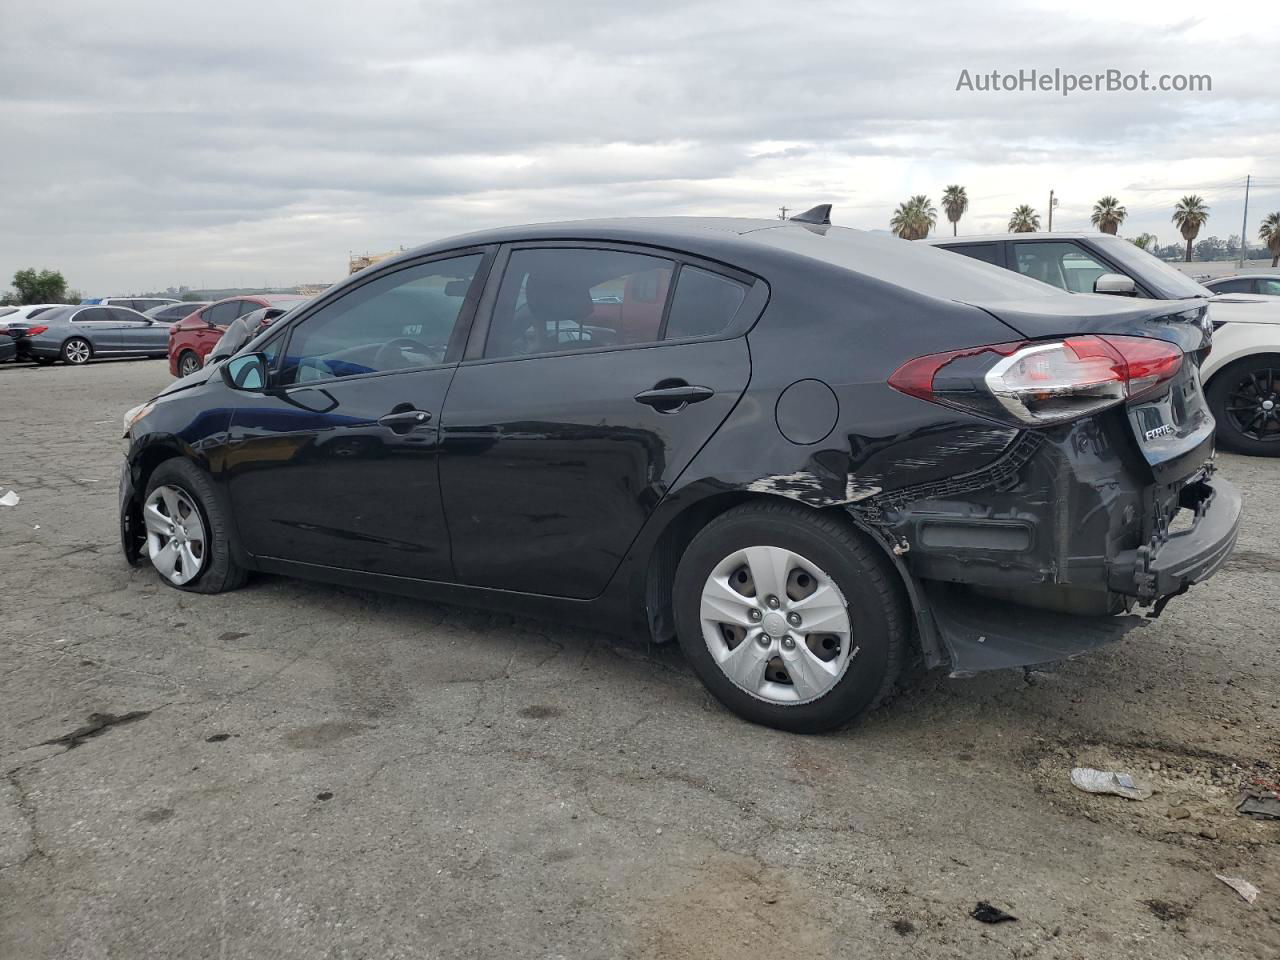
pixel 358 263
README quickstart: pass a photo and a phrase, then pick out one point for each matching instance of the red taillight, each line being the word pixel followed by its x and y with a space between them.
pixel 35 331
pixel 1042 382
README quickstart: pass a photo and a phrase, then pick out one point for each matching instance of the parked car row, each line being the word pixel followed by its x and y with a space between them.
pixel 1242 372
pixel 809 454
pixel 183 331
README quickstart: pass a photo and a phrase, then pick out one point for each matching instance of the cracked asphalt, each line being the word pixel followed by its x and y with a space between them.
pixel 297 770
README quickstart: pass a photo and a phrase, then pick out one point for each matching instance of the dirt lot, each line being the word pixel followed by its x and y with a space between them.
pixel 303 771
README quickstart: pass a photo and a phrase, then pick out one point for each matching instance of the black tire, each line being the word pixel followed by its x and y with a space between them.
pixel 78 348
pixel 1262 368
pixel 877 611
pixel 220 571
pixel 188 358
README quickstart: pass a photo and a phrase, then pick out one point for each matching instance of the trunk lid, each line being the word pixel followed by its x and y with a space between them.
pixel 1172 430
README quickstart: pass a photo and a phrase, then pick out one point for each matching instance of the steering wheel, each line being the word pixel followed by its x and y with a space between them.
pixel 388 349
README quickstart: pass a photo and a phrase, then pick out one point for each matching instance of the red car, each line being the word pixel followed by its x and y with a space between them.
pixel 193 337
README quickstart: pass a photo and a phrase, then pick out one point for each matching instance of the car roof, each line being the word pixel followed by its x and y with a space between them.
pixel 997 237
pixel 768 246
pixel 1244 276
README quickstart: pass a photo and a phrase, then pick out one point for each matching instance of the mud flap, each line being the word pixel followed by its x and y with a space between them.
pixel 981 634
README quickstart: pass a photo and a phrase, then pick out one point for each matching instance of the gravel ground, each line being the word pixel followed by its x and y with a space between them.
pixel 296 770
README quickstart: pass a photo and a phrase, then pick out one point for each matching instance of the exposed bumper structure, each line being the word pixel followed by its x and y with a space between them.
pixel 1171 562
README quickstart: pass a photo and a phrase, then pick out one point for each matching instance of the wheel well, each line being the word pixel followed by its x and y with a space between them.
pixel 1217 374
pixel 148 460
pixel 679 533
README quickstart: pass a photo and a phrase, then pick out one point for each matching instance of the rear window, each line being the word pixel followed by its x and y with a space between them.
pixel 913 266
pixel 5 311
pixel 1231 286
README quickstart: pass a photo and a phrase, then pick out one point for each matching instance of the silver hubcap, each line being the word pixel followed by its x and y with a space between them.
pixel 189 365
pixel 175 534
pixel 777 625
pixel 77 351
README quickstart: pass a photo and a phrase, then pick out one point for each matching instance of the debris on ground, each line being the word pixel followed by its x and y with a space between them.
pixel 1248 892
pixel 986 913
pixel 1108 781
pixel 1259 804
pixel 10 499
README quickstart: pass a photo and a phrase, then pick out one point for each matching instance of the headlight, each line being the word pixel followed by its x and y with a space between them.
pixel 134 414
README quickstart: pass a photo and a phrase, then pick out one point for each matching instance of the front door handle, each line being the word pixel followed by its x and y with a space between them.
pixel 672 396
pixel 402 421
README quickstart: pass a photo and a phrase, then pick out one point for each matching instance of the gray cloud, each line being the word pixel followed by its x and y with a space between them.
pixel 156 143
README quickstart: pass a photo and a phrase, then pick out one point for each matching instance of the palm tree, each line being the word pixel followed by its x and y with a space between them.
pixel 1024 220
pixel 955 202
pixel 1190 215
pixel 1108 215
pixel 1144 241
pixel 1270 234
pixel 914 219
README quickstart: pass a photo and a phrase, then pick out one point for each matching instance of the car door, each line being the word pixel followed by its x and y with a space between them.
pixel 100 327
pixel 601 370
pixel 216 320
pixel 336 464
pixel 138 335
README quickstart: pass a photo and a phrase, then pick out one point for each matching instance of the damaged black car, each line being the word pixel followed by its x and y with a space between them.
pixel 809 454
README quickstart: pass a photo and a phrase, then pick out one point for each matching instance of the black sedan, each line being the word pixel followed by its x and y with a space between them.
pixel 810 454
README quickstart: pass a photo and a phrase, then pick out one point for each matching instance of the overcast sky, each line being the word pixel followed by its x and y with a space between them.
pixel 144 145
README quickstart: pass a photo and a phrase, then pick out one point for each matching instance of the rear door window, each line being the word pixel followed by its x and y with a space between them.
pixel 93 315
pixel 1065 265
pixel 704 303
pixel 986 252
pixel 562 299
pixel 1269 287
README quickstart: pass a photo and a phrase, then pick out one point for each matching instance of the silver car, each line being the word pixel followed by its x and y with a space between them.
pixel 78 334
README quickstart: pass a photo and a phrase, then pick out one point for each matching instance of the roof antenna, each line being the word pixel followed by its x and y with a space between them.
pixel 819 214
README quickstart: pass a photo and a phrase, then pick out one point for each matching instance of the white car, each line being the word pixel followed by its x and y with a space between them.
pixel 1261 284
pixel 1242 372
pixel 21 315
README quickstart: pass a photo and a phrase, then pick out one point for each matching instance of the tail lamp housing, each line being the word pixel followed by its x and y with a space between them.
pixel 1040 383
pixel 35 331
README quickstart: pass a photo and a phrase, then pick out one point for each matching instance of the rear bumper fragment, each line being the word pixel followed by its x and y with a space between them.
pixel 1170 562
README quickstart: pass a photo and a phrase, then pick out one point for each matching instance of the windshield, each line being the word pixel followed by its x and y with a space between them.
pixel 1165 282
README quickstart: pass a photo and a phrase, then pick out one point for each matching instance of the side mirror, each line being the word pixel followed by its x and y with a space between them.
pixel 247 373
pixel 1115 283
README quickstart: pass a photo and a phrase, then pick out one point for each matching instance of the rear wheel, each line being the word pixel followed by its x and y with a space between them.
pixel 1245 399
pixel 789 617
pixel 188 363
pixel 77 351
pixel 187 530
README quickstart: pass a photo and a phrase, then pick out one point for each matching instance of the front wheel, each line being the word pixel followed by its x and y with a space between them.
pixel 789 617
pixel 187 530
pixel 77 351
pixel 1245 399
pixel 188 364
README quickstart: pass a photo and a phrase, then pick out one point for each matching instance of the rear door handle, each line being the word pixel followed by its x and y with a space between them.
pixel 674 396
pixel 402 421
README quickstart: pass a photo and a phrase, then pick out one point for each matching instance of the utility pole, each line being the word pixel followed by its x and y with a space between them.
pixel 782 212
pixel 1052 203
pixel 1244 227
